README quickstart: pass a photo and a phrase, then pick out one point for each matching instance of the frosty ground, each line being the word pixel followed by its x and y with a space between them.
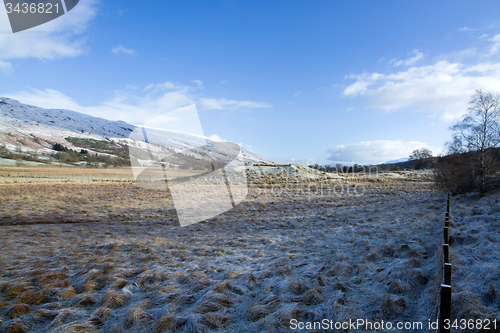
pixel 278 256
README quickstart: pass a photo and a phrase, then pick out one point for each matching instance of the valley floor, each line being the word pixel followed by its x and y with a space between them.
pixel 279 257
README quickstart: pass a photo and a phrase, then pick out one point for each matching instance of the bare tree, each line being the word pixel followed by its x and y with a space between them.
pixel 420 157
pixel 478 134
pixel 455 146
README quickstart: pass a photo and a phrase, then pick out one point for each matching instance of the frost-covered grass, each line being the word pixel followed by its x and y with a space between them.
pixel 275 257
pixel 475 256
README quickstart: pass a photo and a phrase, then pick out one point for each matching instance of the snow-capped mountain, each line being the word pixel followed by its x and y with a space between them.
pixel 33 129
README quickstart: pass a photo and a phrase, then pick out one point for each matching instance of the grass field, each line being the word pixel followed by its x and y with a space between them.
pixel 125 265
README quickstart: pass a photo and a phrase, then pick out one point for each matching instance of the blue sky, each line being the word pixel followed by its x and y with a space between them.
pixel 294 81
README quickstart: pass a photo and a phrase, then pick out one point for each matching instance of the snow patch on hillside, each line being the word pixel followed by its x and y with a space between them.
pixel 33 129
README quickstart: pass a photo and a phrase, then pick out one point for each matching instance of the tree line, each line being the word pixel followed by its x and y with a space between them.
pixel 472 162
pixel 65 155
pixel 473 159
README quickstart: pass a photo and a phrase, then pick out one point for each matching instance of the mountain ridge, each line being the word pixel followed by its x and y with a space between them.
pixel 32 129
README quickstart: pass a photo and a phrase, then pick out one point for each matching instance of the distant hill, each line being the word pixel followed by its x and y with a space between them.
pixel 399 160
pixel 31 129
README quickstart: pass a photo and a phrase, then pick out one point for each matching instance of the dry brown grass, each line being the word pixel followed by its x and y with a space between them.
pixel 14 327
pixel 76 327
pixel 215 320
pixel 81 202
pixel 113 300
pixel 19 310
pixel 31 297
pixel 50 173
pixel 127 265
pixel 138 318
pixel 168 322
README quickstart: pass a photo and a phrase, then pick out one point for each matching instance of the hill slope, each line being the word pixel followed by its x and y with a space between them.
pixel 28 128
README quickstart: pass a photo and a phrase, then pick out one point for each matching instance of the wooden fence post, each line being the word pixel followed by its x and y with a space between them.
pixel 445 306
pixel 447 274
pixel 445 309
pixel 446 251
pixel 448 204
pixel 447 220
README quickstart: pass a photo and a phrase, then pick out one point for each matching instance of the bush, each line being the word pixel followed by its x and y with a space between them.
pixel 59 147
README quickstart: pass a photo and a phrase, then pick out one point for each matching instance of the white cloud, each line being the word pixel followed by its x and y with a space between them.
pixel 129 105
pixel 222 103
pixel 461 55
pixel 410 61
pixel 358 87
pixel 5 66
pixel 120 49
pixel 169 86
pixel 216 138
pixel 442 88
pixel 135 105
pixel 184 119
pixel 496 45
pixel 199 83
pixel 373 152
pixel 302 160
pixel 58 38
pixel 467 29
pixel 49 99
